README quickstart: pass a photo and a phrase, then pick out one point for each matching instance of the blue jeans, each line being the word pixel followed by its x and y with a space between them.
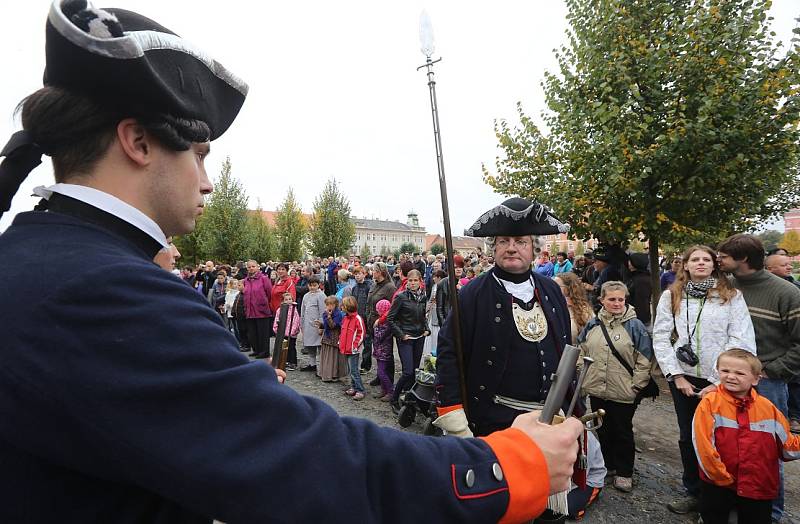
pixel 410 352
pixel 355 376
pixel 777 393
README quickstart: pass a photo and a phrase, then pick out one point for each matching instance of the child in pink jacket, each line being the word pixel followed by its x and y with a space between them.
pixel 291 331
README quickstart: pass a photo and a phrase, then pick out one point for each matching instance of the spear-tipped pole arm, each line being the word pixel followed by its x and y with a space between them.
pixel 426 40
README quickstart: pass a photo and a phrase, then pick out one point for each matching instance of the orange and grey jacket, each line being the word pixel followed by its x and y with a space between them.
pixel 738 443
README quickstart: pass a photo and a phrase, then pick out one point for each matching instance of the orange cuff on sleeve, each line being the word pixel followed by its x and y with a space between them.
pixel 525 470
pixel 443 410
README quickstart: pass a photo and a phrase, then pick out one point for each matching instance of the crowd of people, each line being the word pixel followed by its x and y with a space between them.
pixel 728 319
pixel 351 312
pixel 395 299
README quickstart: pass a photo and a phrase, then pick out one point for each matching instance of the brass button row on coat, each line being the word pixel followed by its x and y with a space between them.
pixel 497 473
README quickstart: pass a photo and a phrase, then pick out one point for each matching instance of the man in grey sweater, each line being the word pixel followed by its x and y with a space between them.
pixel 774 306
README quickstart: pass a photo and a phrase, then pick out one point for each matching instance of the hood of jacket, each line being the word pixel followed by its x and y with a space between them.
pixel 608 318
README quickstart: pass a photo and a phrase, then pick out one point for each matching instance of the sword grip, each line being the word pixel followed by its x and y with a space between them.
pixel 560 384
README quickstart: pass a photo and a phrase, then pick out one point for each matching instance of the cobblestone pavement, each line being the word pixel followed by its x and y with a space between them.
pixel 657 476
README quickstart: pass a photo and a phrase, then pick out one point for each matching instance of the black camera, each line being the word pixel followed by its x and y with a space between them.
pixel 685 354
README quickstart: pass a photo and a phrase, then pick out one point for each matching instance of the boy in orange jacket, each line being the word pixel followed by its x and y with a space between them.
pixel 351 341
pixel 739 436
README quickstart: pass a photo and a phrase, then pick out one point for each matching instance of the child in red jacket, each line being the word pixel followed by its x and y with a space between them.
pixel 351 340
pixel 739 437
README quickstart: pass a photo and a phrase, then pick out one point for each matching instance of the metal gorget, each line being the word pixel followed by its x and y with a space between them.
pixel 531 325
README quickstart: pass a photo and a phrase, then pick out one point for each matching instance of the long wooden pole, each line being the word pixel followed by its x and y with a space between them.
pixel 455 319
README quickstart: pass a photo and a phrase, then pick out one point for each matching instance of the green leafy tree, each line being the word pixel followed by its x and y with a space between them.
pixel 189 245
pixel 223 236
pixel 436 249
pixel 791 242
pixel 580 249
pixel 770 238
pixel 408 247
pixel 331 231
pixel 637 246
pixel 290 229
pixel 261 241
pixel 675 119
pixel 365 252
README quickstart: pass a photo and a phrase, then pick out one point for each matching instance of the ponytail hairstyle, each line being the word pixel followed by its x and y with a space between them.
pixel 76 131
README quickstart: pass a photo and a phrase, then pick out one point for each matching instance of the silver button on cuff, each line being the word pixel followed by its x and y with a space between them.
pixel 497 471
pixel 497 319
pixel 469 478
pixel 498 306
pixel 489 363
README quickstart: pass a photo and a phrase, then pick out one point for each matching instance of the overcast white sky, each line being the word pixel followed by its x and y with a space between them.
pixel 334 92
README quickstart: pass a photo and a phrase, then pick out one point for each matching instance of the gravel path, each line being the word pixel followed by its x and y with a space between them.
pixel 657 476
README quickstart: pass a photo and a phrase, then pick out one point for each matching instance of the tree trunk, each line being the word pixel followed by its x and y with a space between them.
pixel 655 277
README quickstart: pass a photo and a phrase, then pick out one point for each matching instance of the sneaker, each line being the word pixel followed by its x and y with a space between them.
pixel 358 395
pixel 682 506
pixel 794 425
pixel 386 398
pixel 375 382
pixel 624 484
pixel 350 392
pixel 291 367
pixel 308 368
pixel 395 406
pixel 379 394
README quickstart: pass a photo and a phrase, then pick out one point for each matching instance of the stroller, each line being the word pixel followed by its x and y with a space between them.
pixel 420 399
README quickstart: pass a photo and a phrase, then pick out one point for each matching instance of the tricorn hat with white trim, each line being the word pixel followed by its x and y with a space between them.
pixel 128 60
pixel 132 66
pixel 517 217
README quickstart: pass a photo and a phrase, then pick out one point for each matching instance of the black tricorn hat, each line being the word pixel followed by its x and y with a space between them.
pixel 128 60
pixel 517 217
pixel 133 66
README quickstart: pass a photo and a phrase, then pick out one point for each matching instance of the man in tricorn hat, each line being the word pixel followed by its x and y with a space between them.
pixel 514 325
pixel 126 399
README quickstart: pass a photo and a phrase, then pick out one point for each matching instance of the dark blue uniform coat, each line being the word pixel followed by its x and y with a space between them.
pixel 488 333
pixel 126 400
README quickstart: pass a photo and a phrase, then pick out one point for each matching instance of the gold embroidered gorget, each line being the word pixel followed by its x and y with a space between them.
pixel 531 325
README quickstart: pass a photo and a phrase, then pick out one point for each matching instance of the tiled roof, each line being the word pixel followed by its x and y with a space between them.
pixel 369 223
pixel 269 217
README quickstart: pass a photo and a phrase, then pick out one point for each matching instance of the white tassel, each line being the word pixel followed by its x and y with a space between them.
pixel 557 503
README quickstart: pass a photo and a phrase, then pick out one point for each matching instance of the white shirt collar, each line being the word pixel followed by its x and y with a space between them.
pixel 107 203
pixel 523 290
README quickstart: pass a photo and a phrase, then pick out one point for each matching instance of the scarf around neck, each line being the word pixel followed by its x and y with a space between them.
pixel 700 289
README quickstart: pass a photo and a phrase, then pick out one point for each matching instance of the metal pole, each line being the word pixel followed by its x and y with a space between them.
pixel 448 236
